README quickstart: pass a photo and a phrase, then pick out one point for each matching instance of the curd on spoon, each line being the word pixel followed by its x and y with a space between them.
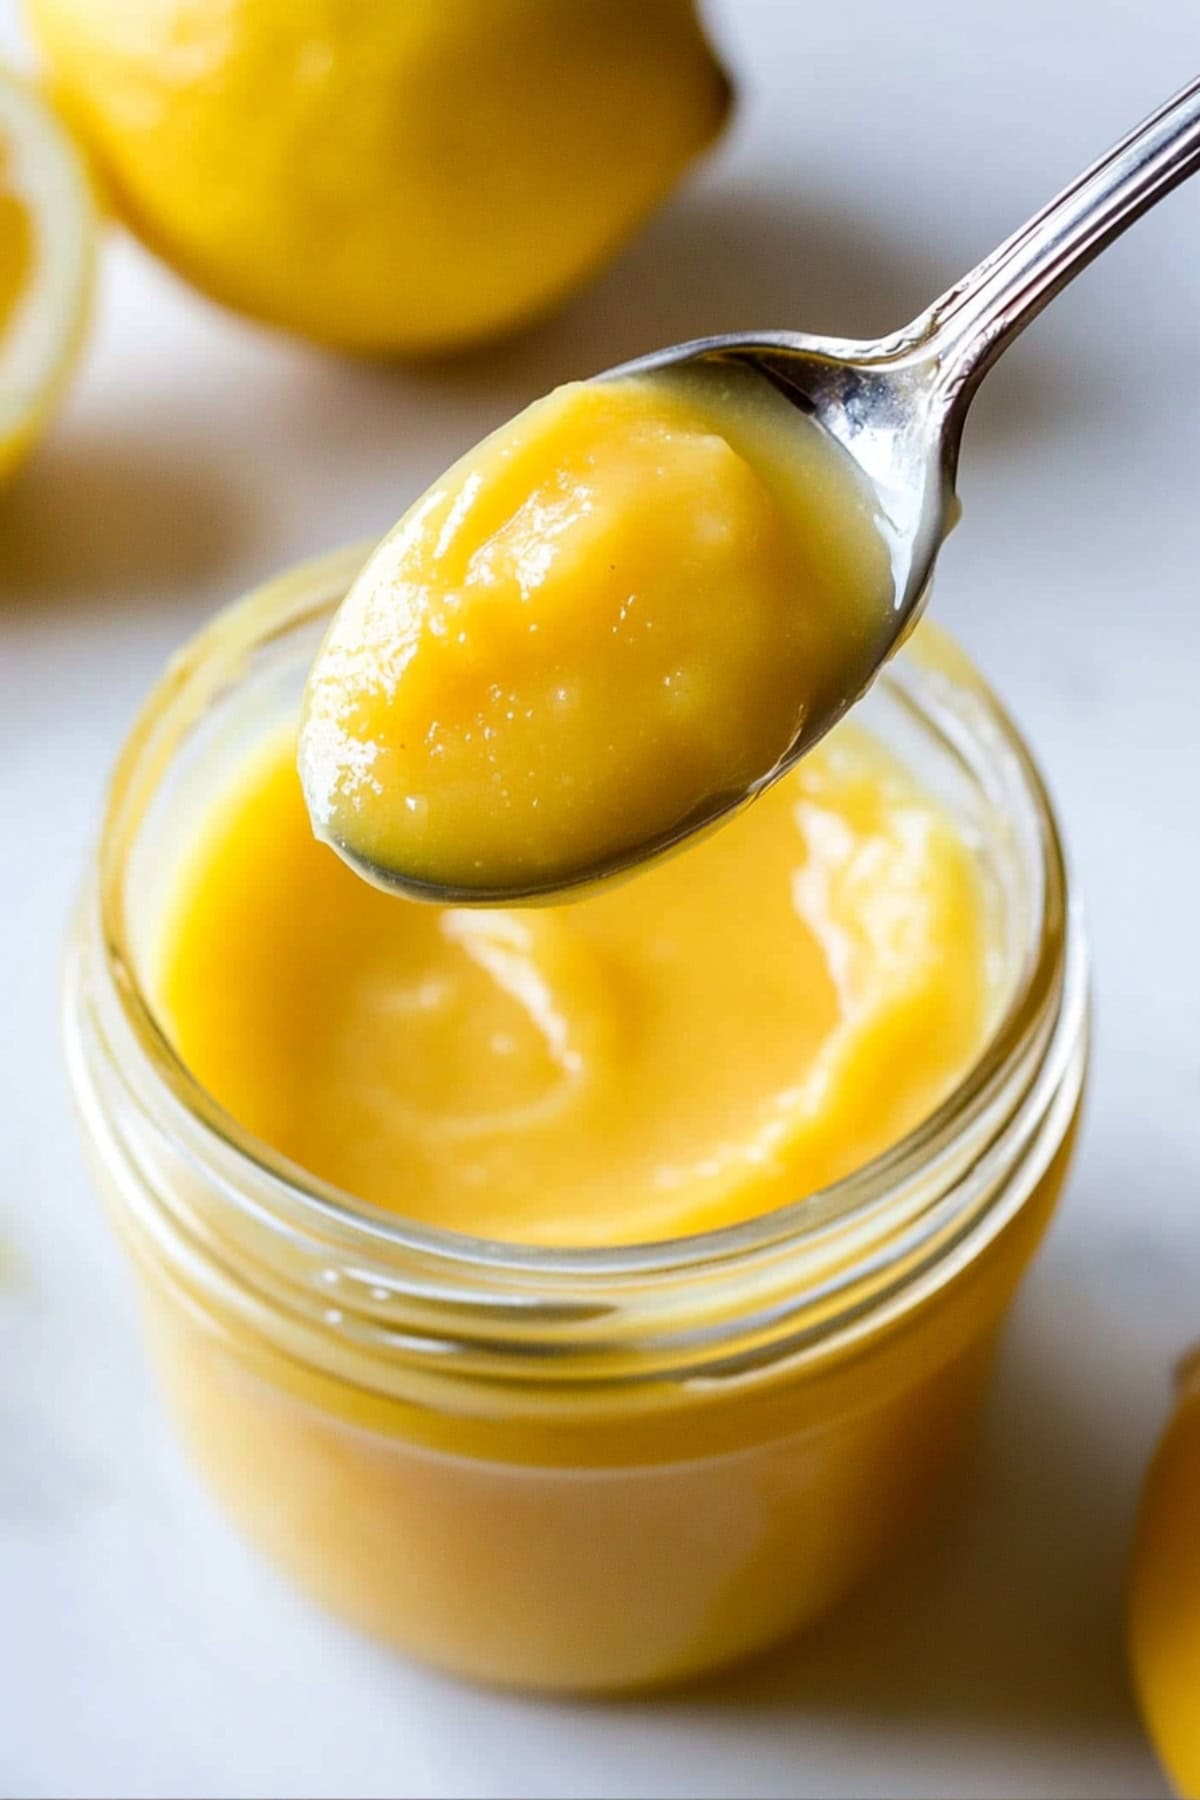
pixel 612 618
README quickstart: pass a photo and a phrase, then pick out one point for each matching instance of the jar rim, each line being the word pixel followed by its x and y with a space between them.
pixel 1026 1053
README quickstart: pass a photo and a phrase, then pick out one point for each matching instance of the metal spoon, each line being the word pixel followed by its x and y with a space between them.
pixel 897 406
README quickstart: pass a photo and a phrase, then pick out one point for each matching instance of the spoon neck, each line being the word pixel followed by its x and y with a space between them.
pixel 970 326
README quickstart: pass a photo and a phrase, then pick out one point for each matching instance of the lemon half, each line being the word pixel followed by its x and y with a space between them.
pixel 47 231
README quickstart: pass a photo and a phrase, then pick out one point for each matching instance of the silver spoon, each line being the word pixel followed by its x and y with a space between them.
pixel 897 407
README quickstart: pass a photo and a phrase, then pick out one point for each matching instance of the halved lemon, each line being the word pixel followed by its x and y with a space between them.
pixel 47 233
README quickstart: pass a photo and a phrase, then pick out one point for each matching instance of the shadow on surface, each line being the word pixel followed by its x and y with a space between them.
pixel 98 514
pixel 1008 1610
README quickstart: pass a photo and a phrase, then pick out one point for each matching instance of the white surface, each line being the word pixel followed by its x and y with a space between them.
pixel 880 150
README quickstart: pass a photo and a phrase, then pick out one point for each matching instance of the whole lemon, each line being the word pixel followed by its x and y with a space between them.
pixel 1164 1594
pixel 385 175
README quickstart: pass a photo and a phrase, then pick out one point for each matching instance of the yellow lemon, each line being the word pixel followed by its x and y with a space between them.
pixel 46 239
pixel 1164 1594
pixel 403 175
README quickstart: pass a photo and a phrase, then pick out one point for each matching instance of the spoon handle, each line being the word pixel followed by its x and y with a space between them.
pixel 974 321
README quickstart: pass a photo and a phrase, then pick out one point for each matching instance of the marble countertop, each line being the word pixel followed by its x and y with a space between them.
pixel 880 150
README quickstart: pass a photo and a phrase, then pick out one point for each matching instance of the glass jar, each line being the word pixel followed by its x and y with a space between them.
pixel 567 1469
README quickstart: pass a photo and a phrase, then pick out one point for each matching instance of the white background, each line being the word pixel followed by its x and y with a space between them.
pixel 880 149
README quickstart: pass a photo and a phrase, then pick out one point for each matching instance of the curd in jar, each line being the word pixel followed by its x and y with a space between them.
pixel 740 1025
pixel 538 1289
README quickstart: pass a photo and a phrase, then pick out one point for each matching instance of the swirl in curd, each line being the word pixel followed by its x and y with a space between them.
pixel 734 1029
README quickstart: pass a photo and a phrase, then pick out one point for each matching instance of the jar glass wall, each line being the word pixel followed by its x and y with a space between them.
pixel 588 1469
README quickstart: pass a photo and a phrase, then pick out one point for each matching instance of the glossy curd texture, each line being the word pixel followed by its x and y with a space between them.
pixel 617 611
pixel 732 1030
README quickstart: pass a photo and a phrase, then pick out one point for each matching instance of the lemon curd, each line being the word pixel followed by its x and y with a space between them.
pixel 614 614
pixel 741 1025
pixel 478 1251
